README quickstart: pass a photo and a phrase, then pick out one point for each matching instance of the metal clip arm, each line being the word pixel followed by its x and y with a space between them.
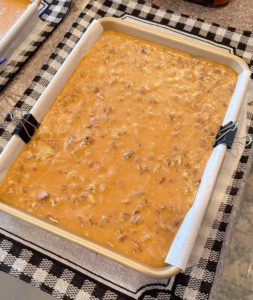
pixel 25 129
pixel 226 134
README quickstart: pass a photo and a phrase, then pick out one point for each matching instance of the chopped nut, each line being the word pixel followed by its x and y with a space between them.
pixel 152 100
pixel 125 201
pixel 206 107
pixel 143 49
pixel 176 222
pixel 185 174
pixel 86 220
pixel 121 98
pixel 128 153
pixel 101 187
pixel 119 132
pixel 63 187
pixel 121 237
pixel 172 115
pixel 157 211
pixel 89 220
pixel 146 236
pixel 231 87
pixel 163 206
pixel 175 147
pixel 88 140
pixel 89 126
pixel 111 80
pixel 112 146
pixel 216 70
pixel 23 190
pixel 136 211
pixel 196 182
pixel 99 96
pixel 10 191
pixel 51 218
pixel 163 226
pixel 136 219
pixel 95 89
pixel 91 199
pixel 74 186
pixel 176 161
pixel 72 174
pixel 74 198
pixel 112 49
pixel 195 169
pixel 69 140
pixel 137 192
pixel 110 244
pixel 54 202
pixel 162 180
pixel 106 218
pixel 143 89
pixel 29 155
pixel 91 187
pixel 81 221
pixel 187 190
pixel 92 163
pixel 175 133
pixel 138 247
pixel 107 109
pixel 142 203
pixel 21 168
pixel 43 195
pixel 203 143
pixel 141 165
pixel 83 195
pixel 124 215
pixel 200 119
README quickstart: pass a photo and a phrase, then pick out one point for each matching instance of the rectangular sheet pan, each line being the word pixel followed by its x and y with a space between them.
pixel 181 248
pixel 18 32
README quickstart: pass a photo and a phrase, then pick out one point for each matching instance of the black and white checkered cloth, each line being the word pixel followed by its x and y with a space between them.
pixel 51 13
pixel 65 279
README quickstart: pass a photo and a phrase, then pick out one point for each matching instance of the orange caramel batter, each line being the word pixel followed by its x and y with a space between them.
pixel 119 156
pixel 10 11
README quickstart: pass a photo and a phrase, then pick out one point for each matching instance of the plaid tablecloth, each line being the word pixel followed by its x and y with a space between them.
pixel 68 271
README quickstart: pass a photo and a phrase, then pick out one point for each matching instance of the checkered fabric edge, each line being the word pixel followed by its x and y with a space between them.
pixel 48 274
pixel 54 10
pixel 52 14
pixel 196 281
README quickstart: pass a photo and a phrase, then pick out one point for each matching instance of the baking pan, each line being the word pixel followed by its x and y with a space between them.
pixel 18 32
pixel 179 252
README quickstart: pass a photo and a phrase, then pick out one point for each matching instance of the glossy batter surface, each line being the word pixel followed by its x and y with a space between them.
pixel 10 11
pixel 119 156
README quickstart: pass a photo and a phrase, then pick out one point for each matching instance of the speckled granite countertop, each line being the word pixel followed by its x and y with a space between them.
pixel 239 14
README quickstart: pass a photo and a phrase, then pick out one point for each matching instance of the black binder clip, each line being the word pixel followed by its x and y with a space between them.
pixel 226 134
pixel 26 127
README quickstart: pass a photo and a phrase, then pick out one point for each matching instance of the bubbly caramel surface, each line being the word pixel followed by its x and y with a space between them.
pixel 10 11
pixel 120 154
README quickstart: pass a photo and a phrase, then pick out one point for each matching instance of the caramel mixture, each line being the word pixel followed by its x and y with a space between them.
pixel 10 11
pixel 120 154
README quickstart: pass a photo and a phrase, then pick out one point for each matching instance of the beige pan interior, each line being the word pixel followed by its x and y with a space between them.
pixel 119 156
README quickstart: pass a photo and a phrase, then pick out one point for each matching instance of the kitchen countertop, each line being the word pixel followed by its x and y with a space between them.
pixel 237 14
